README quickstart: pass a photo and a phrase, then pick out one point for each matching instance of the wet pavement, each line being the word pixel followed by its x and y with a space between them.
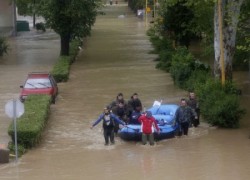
pixel 116 59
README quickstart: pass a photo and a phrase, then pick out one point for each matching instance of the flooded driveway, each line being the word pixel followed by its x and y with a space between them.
pixel 116 59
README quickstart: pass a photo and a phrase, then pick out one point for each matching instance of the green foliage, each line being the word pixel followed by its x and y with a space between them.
pixel 3 46
pixel 242 54
pixel 28 7
pixel 70 17
pixel 197 78
pixel 31 124
pixel 21 150
pixel 219 105
pixel 181 66
pixel 241 60
pixel 162 46
pixel 75 44
pixel 185 20
pixel 61 69
pixel 136 4
pixel 178 21
pixel 40 26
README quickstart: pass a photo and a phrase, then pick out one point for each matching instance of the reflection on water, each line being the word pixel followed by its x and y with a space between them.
pixel 115 59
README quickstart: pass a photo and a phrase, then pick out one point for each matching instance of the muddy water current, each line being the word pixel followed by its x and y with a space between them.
pixel 116 59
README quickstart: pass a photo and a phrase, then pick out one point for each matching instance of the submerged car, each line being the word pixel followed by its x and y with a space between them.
pixel 39 83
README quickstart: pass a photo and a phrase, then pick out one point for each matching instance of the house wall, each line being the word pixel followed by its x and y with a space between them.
pixel 6 15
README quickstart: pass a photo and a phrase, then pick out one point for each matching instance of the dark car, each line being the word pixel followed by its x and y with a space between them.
pixel 39 83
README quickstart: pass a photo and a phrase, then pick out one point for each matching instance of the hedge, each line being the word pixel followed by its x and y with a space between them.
pixel 31 124
pixel 61 69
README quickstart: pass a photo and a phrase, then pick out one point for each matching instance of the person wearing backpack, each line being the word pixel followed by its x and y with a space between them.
pixel 108 120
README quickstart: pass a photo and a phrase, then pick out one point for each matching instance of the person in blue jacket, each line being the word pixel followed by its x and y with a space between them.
pixel 108 121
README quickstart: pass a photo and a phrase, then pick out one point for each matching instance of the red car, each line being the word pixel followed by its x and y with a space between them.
pixel 39 83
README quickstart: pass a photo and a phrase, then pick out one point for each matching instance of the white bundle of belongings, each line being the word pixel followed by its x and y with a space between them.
pixel 157 103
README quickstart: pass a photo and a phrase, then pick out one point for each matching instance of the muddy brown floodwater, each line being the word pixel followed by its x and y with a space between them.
pixel 115 59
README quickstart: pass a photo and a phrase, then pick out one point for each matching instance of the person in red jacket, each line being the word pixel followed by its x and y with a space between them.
pixel 148 124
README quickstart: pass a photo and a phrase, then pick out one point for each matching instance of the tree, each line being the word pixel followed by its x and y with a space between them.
pixel 231 11
pixel 70 18
pixel 230 14
pixel 28 7
pixel 178 22
pixel 242 54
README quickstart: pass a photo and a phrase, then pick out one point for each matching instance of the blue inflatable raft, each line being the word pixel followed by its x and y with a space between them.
pixel 165 117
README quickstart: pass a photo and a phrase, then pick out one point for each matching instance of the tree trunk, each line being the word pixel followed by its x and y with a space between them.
pixel 65 39
pixel 34 14
pixel 34 20
pixel 230 15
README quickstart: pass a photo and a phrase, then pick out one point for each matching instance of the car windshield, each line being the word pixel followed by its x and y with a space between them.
pixel 37 83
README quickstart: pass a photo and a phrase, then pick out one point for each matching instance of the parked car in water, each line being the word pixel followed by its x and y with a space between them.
pixel 39 83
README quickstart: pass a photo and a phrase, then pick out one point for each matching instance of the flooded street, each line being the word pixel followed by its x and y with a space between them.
pixel 116 59
pixel 29 52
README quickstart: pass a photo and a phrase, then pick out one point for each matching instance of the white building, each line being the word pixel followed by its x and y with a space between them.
pixel 6 17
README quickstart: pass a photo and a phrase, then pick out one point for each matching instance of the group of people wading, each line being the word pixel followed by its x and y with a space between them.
pixel 121 112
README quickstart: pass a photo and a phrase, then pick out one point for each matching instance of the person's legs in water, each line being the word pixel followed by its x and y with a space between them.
pixel 151 139
pixel 106 136
pixel 144 139
pixel 185 127
pixel 112 136
pixel 116 128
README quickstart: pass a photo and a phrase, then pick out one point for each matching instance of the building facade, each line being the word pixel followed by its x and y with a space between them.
pixel 6 17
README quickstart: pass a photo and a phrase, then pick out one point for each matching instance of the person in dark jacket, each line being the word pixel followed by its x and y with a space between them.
pixel 121 111
pixel 119 108
pixel 135 116
pixel 184 116
pixel 115 103
pixel 193 103
pixel 148 124
pixel 108 120
pixel 134 104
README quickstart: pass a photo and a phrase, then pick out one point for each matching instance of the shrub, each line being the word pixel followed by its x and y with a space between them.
pixel 31 124
pixel 21 150
pixel 61 69
pixel 181 66
pixel 40 26
pixel 3 46
pixel 219 104
pixel 74 48
pixel 165 59
pixel 197 78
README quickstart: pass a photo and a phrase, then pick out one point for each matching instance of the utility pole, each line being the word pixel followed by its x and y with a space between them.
pixel 146 14
pixel 221 42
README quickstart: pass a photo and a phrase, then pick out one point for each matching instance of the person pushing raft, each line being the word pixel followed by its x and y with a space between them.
pixel 108 120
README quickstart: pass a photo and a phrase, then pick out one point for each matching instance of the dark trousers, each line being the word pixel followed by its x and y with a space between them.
pixel 116 128
pixel 148 137
pixel 184 128
pixel 108 134
pixel 196 122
